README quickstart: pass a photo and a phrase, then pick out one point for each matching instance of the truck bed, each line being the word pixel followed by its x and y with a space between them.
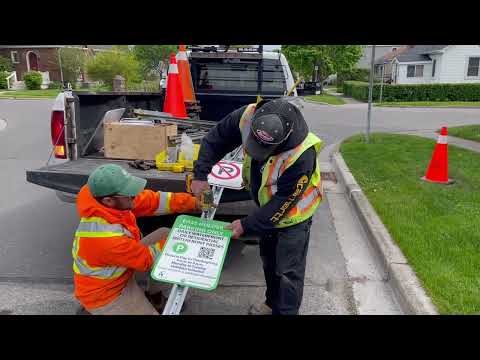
pixel 70 176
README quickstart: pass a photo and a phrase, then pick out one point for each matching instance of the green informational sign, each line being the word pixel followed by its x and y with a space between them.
pixel 194 253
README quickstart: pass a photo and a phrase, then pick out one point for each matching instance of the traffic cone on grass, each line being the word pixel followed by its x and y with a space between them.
pixel 174 102
pixel 437 171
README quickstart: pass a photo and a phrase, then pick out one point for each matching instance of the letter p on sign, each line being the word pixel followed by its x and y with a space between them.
pixel 179 247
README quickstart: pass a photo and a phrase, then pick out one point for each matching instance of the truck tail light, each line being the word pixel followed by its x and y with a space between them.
pixel 58 134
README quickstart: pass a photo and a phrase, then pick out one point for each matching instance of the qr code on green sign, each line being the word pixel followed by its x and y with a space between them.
pixel 206 253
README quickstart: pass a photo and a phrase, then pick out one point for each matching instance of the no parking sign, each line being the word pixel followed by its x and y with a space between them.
pixel 226 174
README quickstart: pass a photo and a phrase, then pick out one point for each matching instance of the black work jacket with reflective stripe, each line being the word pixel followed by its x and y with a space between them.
pixel 225 137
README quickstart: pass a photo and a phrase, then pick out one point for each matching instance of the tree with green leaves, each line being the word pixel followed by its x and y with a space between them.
pixel 153 58
pixel 329 59
pixel 72 63
pixel 106 65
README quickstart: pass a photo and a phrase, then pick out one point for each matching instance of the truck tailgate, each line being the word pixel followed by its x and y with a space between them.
pixel 70 176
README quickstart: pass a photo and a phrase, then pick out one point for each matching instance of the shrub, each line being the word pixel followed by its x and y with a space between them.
pixel 55 85
pixel 5 64
pixel 33 80
pixel 353 75
pixel 415 92
pixel 150 86
pixel 3 79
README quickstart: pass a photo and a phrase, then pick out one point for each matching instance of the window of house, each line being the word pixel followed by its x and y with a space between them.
pixel 410 70
pixel 415 71
pixel 433 67
pixel 14 57
pixel 473 66
pixel 419 71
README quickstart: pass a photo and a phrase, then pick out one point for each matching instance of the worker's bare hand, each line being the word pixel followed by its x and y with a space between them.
pixel 198 186
pixel 237 228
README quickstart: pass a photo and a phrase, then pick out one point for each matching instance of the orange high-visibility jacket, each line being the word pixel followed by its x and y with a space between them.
pixel 107 248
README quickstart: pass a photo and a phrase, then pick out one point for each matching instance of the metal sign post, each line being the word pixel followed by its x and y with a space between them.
pixel 370 91
pixel 178 293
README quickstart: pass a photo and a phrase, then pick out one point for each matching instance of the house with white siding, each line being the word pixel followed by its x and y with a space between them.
pixel 380 50
pixel 433 64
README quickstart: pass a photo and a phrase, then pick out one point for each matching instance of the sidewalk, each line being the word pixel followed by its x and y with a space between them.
pixel 347 99
pixel 452 140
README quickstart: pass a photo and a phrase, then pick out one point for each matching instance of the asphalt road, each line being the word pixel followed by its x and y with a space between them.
pixel 35 241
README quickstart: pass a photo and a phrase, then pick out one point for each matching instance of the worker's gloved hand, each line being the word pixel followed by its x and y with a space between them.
pixel 198 204
pixel 198 186
pixel 237 228
pixel 162 233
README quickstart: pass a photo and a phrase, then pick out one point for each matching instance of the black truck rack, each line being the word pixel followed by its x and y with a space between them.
pixel 225 52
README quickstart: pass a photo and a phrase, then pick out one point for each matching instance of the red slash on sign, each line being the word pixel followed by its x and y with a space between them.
pixel 225 170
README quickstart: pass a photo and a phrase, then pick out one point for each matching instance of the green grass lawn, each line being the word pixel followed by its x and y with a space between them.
pixel 326 98
pixel 469 132
pixel 27 94
pixel 430 104
pixel 436 226
pixel 42 94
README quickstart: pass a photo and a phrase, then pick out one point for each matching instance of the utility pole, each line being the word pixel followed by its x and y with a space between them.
pixel 370 91
pixel 383 76
pixel 60 64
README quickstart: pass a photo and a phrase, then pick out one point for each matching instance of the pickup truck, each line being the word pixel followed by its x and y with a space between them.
pixel 223 81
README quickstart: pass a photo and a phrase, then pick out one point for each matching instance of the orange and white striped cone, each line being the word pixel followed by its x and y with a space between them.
pixel 437 171
pixel 185 75
pixel 174 103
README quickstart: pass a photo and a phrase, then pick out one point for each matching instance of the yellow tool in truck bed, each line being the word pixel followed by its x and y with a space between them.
pixel 174 167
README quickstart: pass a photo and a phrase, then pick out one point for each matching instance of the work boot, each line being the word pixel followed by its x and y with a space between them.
pixel 82 311
pixel 260 309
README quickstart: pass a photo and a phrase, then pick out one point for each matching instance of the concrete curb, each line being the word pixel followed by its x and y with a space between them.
pixel 405 284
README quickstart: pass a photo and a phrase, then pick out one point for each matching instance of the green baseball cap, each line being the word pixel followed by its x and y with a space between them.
pixel 111 179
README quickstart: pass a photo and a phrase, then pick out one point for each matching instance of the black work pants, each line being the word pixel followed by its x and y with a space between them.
pixel 284 255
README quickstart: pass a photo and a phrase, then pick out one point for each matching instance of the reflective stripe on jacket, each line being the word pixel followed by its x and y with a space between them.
pixel 274 167
pixel 107 249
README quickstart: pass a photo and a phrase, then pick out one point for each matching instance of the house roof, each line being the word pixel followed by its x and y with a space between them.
pixel 392 54
pixel 419 53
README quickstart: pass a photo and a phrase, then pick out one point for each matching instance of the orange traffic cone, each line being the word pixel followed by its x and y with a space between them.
pixel 185 75
pixel 174 102
pixel 437 171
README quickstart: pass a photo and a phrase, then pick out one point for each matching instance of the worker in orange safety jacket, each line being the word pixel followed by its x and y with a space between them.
pixel 108 247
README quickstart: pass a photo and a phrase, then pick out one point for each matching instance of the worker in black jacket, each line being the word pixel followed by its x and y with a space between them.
pixel 281 171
